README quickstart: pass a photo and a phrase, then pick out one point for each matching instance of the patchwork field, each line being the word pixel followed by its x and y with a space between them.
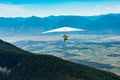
pixel 101 52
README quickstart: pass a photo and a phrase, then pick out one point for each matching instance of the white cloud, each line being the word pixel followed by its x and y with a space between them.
pixel 24 10
pixel 11 10
pixel 107 8
pixel 97 6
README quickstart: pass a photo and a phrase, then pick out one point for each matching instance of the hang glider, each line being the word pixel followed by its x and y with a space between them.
pixel 65 29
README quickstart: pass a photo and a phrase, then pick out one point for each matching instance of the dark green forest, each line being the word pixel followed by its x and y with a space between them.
pixel 18 64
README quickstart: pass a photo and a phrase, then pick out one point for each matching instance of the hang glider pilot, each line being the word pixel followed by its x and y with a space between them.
pixel 65 37
pixel 65 29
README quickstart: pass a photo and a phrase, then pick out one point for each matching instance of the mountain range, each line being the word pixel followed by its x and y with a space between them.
pixel 20 26
pixel 17 64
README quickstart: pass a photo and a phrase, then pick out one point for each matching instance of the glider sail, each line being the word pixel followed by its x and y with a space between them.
pixel 64 29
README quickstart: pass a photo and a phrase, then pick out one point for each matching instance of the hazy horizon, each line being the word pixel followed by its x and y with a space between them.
pixel 55 15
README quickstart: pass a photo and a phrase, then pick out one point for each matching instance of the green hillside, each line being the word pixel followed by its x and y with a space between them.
pixel 16 64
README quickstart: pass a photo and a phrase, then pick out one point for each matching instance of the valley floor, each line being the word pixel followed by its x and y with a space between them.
pixel 100 51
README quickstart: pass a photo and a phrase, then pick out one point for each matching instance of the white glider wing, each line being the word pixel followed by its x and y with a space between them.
pixel 64 29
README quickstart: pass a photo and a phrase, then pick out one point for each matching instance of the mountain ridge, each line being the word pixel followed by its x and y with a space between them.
pixel 103 24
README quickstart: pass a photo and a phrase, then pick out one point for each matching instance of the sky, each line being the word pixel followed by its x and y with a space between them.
pixel 43 8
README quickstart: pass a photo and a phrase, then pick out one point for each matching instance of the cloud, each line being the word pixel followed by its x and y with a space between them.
pixel 42 10
pixel 11 10
pixel 97 6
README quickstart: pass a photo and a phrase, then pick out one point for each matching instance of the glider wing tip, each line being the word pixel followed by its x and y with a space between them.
pixel 86 30
pixel 43 32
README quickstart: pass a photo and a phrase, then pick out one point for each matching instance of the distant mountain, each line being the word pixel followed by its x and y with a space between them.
pixel 102 24
pixel 16 64
pixel 106 25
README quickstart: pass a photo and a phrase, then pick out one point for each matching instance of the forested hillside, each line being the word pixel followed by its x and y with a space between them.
pixel 16 64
